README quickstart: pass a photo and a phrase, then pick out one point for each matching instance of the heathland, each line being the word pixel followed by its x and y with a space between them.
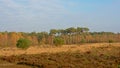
pixel 60 48
pixel 97 55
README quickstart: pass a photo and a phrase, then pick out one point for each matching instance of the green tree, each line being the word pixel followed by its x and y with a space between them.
pixel 79 30
pixel 85 29
pixel 62 31
pixel 53 31
pixel 23 43
pixel 71 30
pixel 58 41
pixel 83 41
pixel 41 36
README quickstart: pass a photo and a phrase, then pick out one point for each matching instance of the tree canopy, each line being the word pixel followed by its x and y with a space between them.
pixel 70 35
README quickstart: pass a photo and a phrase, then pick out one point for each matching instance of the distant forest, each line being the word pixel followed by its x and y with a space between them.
pixel 69 36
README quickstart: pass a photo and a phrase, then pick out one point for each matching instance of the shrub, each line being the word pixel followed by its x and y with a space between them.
pixel 58 41
pixel 23 43
pixel 83 41
pixel 110 41
pixel 118 65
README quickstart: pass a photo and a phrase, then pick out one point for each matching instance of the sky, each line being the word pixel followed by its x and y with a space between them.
pixel 43 15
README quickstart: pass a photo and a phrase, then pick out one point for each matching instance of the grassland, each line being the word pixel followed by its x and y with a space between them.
pixel 99 55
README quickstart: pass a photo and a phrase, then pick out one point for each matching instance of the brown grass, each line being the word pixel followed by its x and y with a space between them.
pixel 8 51
pixel 99 55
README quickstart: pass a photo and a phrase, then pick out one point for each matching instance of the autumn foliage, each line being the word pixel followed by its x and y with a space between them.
pixel 69 36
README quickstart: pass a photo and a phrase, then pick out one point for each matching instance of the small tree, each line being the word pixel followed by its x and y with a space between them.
pixel 23 43
pixel 110 41
pixel 83 41
pixel 58 41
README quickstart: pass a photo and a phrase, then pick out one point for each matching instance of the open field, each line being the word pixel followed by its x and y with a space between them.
pixel 99 55
pixel 8 51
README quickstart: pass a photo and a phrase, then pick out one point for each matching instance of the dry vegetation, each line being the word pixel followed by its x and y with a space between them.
pixel 7 51
pixel 58 37
pixel 99 55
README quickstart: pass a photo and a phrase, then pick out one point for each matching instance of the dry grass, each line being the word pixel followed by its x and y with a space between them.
pixel 99 55
pixel 38 50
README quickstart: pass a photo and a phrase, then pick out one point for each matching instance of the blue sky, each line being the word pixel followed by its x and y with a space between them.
pixel 43 15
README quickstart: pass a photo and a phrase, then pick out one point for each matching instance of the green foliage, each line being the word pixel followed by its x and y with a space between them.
pixel 110 41
pixel 72 35
pixel 58 41
pixel 71 30
pixel 83 41
pixel 53 31
pixel 23 43
pixel 41 35
pixel 118 65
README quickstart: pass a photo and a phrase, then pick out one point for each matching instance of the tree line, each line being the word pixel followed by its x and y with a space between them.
pixel 67 36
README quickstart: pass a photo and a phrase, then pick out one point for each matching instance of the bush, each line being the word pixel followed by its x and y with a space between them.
pixel 118 65
pixel 58 41
pixel 83 41
pixel 23 43
pixel 110 41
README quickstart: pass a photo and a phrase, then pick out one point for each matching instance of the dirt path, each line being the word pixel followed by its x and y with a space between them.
pixel 37 50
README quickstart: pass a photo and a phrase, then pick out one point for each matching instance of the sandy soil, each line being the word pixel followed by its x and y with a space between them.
pixel 8 51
